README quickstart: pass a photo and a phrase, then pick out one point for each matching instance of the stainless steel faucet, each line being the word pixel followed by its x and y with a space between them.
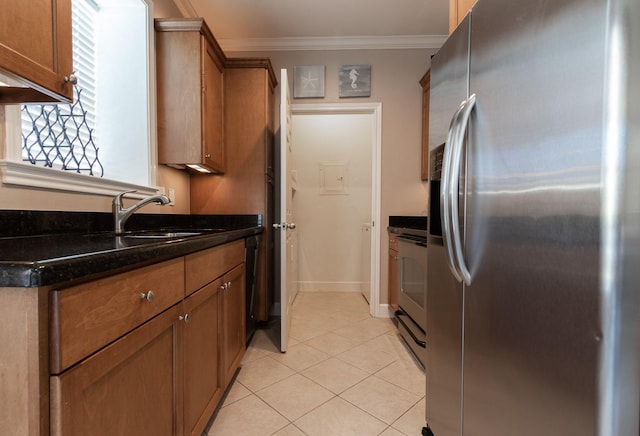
pixel 121 215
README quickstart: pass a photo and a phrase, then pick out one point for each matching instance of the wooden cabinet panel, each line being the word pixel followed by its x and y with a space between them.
pixel 394 284
pixel 205 266
pixel 249 169
pixel 202 382
pixel 129 388
pixel 425 82
pixel 458 9
pixel 232 320
pixel 213 128
pixel 35 50
pixel 190 81
pixel 87 317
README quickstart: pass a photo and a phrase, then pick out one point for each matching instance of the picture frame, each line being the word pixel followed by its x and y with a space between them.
pixel 308 81
pixel 355 81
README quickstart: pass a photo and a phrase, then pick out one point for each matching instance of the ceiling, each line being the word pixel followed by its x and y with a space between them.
pixel 322 24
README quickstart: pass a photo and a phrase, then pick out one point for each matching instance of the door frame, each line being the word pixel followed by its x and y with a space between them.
pixel 375 109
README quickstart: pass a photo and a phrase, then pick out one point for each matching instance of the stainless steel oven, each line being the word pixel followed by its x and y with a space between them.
pixel 412 295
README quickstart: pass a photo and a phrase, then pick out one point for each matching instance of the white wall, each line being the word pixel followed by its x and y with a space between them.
pixel 395 76
pixel 329 218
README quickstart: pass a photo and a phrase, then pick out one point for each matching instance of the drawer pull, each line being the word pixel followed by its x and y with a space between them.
pixel 184 318
pixel 147 296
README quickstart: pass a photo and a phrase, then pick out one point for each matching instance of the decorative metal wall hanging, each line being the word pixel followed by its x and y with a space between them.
pixel 61 137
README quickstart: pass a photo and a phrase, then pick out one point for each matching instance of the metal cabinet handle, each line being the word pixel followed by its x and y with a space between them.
pixel 147 296
pixel 71 78
pixel 184 318
pixel 223 287
pixel 207 156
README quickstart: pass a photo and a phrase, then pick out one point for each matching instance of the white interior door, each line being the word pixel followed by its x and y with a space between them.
pixel 286 226
pixel 334 251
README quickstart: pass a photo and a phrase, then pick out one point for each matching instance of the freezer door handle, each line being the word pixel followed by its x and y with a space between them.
pixel 453 241
pixel 444 193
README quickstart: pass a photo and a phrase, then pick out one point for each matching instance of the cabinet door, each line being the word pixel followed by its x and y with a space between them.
pixel 212 125
pixel 458 9
pixel 202 383
pixel 35 49
pixel 232 318
pixel 393 278
pixel 190 66
pixel 130 387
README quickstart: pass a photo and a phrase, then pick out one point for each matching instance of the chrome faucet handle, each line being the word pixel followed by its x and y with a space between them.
pixel 117 200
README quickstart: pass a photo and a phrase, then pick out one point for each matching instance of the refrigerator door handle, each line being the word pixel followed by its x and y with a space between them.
pixel 456 164
pixel 446 187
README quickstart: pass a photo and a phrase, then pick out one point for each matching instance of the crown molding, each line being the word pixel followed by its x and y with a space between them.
pixel 185 8
pixel 334 43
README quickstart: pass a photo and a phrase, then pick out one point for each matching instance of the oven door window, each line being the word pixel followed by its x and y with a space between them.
pixel 412 297
pixel 412 279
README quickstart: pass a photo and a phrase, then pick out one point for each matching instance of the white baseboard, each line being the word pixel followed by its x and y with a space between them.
pixel 330 286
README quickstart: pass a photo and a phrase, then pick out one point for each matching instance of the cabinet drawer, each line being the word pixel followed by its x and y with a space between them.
pixel 393 242
pixel 207 265
pixel 86 317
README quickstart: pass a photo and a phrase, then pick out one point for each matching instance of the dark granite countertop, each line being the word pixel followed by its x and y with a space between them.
pixel 399 222
pixel 50 248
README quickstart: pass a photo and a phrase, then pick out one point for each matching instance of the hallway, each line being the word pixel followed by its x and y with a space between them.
pixel 345 373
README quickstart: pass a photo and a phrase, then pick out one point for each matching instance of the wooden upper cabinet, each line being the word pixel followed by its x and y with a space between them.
pixel 249 121
pixel 458 9
pixel 213 128
pixel 425 82
pixel 36 51
pixel 190 78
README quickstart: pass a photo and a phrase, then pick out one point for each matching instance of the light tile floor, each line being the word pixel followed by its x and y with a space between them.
pixel 344 373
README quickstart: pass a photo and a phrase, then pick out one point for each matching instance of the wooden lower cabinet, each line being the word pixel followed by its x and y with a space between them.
pixel 394 284
pixel 128 388
pixel 232 320
pixel 166 375
pixel 203 385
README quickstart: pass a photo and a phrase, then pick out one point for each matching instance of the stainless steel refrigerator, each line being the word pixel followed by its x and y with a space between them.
pixel 533 272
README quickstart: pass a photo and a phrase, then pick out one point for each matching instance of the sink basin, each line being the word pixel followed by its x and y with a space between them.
pixel 160 234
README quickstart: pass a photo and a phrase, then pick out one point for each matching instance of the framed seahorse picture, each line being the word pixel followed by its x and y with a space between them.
pixel 355 81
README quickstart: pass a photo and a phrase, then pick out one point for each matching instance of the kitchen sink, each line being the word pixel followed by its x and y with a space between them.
pixel 160 234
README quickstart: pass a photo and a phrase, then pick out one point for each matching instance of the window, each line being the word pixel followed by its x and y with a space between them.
pixel 63 136
pixel 107 132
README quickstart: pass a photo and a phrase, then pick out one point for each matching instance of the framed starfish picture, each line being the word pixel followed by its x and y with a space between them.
pixel 308 81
